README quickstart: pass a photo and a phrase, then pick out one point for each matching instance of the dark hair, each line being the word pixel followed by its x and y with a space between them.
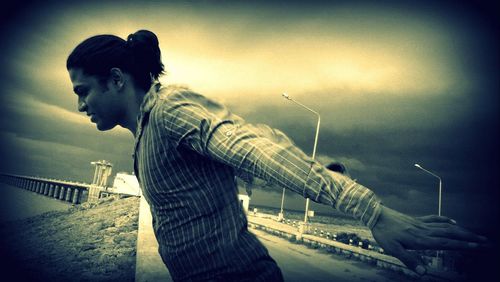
pixel 139 56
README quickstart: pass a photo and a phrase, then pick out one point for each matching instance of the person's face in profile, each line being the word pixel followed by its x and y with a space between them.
pixel 98 99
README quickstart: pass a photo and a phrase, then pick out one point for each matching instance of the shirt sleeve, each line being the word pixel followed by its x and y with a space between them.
pixel 207 127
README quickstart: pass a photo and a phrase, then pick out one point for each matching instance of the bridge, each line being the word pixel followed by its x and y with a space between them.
pixel 69 191
pixel 73 192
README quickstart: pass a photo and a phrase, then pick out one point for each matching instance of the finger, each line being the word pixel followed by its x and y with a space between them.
pixel 436 243
pixel 453 232
pixel 412 261
pixel 436 218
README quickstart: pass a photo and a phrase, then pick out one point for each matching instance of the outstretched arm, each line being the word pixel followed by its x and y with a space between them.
pixel 208 128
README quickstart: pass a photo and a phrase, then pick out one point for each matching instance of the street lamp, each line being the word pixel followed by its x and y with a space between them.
pixel 440 184
pixel 286 96
pixel 438 263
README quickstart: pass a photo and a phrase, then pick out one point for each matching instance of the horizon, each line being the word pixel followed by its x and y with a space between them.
pixel 395 84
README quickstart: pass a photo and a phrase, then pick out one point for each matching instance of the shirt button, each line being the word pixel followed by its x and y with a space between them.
pixel 229 133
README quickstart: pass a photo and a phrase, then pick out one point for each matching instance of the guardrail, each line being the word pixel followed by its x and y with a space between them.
pixel 372 256
pixel 290 232
pixel 360 242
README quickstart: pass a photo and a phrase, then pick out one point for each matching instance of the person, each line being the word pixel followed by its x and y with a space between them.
pixel 338 167
pixel 188 150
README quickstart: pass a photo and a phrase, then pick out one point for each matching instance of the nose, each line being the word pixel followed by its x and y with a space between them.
pixel 82 106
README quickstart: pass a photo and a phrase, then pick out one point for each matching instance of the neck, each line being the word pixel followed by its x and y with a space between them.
pixel 132 109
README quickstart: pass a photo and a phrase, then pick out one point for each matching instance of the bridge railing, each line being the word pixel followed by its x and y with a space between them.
pixel 73 192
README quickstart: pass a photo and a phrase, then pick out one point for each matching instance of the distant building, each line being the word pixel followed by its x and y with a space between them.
pixel 245 201
pixel 102 171
pixel 100 181
pixel 125 183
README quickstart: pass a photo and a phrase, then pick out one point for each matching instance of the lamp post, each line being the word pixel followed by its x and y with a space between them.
pixel 438 261
pixel 286 96
pixel 281 214
pixel 440 184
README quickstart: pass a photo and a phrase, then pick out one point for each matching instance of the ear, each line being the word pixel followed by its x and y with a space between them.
pixel 117 78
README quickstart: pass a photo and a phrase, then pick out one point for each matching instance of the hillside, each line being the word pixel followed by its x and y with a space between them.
pixel 89 242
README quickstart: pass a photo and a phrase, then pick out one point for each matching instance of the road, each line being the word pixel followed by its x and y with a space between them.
pixel 300 263
pixel 297 262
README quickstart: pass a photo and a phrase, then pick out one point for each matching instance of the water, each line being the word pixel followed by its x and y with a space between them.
pixel 17 203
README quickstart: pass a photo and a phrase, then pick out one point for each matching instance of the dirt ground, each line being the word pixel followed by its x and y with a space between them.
pixel 89 242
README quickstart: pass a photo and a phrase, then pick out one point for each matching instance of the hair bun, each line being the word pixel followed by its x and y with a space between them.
pixel 144 46
pixel 143 38
pixel 130 38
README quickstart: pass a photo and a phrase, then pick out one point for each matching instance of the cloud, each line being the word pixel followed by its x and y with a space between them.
pixel 394 86
pixel 45 157
pixel 49 140
pixel 59 160
pixel 334 50
pixel 26 104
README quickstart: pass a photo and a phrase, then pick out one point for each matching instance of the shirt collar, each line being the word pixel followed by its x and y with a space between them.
pixel 149 99
pixel 147 105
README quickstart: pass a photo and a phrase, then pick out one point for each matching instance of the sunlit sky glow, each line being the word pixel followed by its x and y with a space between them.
pixel 395 85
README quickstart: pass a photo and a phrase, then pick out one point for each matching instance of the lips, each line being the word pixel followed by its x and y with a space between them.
pixel 92 117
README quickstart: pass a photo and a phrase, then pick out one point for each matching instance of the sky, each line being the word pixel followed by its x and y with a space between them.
pixel 395 83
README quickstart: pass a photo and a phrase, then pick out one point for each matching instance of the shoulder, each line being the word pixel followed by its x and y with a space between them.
pixel 175 93
pixel 178 96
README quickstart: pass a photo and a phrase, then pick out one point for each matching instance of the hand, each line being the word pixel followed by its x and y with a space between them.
pixel 396 233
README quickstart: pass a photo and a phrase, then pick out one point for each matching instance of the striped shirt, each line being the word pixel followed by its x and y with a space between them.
pixel 188 150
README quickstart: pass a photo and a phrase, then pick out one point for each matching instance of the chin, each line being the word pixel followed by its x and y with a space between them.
pixel 105 127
